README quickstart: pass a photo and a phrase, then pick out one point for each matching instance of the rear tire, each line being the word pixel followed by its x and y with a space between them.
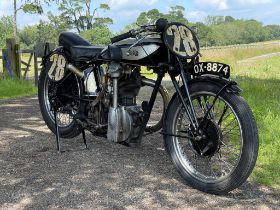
pixel 164 96
pixel 66 131
pixel 191 172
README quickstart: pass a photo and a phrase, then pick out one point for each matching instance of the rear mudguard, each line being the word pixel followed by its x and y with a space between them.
pixel 231 87
pixel 58 50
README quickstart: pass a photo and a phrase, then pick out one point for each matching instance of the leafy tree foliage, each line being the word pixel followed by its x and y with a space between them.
pixel 79 15
pixel 98 36
pixel 28 36
pixel 74 14
pixel 149 17
pixel 6 29
pixel 45 31
pixel 273 31
pixel 220 30
pixel 214 20
pixel 27 6
pixel 175 14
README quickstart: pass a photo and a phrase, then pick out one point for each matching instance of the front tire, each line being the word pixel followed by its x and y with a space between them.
pixel 232 154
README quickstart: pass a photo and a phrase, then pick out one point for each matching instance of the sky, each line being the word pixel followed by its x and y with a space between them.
pixel 124 12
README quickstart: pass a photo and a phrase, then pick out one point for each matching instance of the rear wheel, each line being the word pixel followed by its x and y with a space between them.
pixel 226 154
pixel 48 90
pixel 162 99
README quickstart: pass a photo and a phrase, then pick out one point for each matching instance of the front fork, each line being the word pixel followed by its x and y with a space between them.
pixel 188 105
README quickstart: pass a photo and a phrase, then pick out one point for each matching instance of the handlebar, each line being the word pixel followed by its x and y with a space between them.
pixel 158 27
pixel 133 33
pixel 121 37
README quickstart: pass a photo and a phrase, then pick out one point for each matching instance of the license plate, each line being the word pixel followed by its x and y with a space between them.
pixel 213 68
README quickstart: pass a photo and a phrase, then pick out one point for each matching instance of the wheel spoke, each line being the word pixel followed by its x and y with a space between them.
pixel 230 130
pixel 218 111
pixel 223 114
pixel 206 101
pixel 218 162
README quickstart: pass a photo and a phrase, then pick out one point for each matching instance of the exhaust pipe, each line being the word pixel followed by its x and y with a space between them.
pixel 75 70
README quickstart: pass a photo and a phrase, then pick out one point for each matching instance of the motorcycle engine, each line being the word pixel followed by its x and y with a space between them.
pixel 126 118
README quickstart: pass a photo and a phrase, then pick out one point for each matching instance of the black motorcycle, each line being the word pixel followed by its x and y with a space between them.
pixel 208 128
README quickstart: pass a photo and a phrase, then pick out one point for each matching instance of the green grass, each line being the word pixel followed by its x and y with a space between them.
pixel 260 81
pixel 264 98
pixel 16 88
pixel 232 55
pixel 148 73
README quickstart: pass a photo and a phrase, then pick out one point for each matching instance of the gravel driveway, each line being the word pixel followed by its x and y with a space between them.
pixel 33 175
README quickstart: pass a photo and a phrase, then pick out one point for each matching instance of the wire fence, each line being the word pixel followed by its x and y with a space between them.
pixel 258 44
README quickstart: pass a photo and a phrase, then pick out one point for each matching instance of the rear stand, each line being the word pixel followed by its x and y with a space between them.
pixel 58 145
pixel 57 132
pixel 84 138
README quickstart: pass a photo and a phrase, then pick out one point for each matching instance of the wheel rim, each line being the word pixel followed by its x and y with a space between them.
pixel 64 120
pixel 158 108
pixel 220 163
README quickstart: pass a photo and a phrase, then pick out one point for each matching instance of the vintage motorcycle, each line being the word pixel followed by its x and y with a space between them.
pixel 208 128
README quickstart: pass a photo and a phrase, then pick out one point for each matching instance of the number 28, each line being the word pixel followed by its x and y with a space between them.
pixel 56 71
pixel 182 33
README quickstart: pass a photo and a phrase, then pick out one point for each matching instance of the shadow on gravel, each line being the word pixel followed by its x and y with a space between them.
pixel 107 176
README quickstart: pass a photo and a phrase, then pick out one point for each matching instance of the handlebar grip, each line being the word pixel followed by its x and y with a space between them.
pixel 121 37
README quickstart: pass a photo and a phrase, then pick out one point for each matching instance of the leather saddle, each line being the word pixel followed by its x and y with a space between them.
pixel 79 48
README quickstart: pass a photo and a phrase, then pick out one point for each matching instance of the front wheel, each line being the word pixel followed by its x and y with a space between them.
pixel 226 154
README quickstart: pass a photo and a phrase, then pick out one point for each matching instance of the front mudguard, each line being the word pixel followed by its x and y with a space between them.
pixel 220 82
pixel 225 84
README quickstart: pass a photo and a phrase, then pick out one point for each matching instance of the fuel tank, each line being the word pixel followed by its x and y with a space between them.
pixel 148 52
pixel 143 49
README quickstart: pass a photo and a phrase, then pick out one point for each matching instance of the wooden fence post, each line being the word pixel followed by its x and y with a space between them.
pixel 18 60
pixel 13 56
pixel 36 68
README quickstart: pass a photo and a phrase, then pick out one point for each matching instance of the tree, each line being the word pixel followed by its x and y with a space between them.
pixel 214 20
pixel 253 31
pixel 231 31
pixel 98 36
pixel 45 31
pixel 272 31
pixel 229 19
pixel 176 14
pixel 6 29
pixel 78 13
pixel 204 34
pixel 28 6
pixel 129 27
pixel 149 17
pixel 28 36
